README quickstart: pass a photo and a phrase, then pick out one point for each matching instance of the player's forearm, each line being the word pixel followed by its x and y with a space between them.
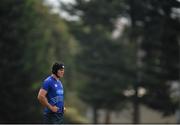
pixel 43 100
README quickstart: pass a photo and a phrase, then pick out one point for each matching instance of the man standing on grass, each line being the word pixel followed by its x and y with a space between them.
pixel 51 96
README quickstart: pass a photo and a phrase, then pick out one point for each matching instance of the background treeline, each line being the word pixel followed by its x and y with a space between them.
pixel 102 71
pixel 31 40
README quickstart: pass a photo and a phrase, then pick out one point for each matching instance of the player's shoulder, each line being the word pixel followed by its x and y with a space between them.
pixel 48 79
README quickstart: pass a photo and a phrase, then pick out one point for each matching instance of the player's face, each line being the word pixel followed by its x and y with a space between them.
pixel 60 73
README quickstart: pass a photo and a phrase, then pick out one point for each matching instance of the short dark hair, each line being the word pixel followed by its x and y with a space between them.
pixel 56 66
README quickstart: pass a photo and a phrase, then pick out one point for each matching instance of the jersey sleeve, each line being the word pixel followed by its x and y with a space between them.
pixel 46 85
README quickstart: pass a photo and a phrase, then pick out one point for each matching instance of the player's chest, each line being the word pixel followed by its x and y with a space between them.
pixel 57 89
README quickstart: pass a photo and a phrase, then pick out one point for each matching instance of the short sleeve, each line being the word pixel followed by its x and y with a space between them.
pixel 45 85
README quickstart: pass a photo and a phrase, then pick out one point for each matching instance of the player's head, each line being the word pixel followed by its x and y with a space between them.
pixel 58 69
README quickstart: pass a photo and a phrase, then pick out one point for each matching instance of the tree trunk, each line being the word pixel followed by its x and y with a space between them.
pixel 136 107
pixel 177 116
pixel 108 116
pixel 136 113
pixel 95 115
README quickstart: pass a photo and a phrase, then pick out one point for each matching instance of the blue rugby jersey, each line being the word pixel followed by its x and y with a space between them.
pixel 55 94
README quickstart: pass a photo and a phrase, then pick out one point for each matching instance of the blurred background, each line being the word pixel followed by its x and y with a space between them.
pixel 121 57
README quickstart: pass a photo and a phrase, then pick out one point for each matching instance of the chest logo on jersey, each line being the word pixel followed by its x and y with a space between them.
pixel 55 85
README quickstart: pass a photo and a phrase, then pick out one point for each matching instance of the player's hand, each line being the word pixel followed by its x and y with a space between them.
pixel 54 108
pixel 64 109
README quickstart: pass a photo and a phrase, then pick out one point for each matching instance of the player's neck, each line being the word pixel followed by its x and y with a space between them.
pixel 54 76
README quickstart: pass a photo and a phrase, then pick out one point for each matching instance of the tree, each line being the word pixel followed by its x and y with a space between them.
pixel 153 24
pixel 97 57
pixel 14 77
pixel 162 52
pixel 31 39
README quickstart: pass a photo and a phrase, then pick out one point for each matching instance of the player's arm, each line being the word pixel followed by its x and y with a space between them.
pixel 43 100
